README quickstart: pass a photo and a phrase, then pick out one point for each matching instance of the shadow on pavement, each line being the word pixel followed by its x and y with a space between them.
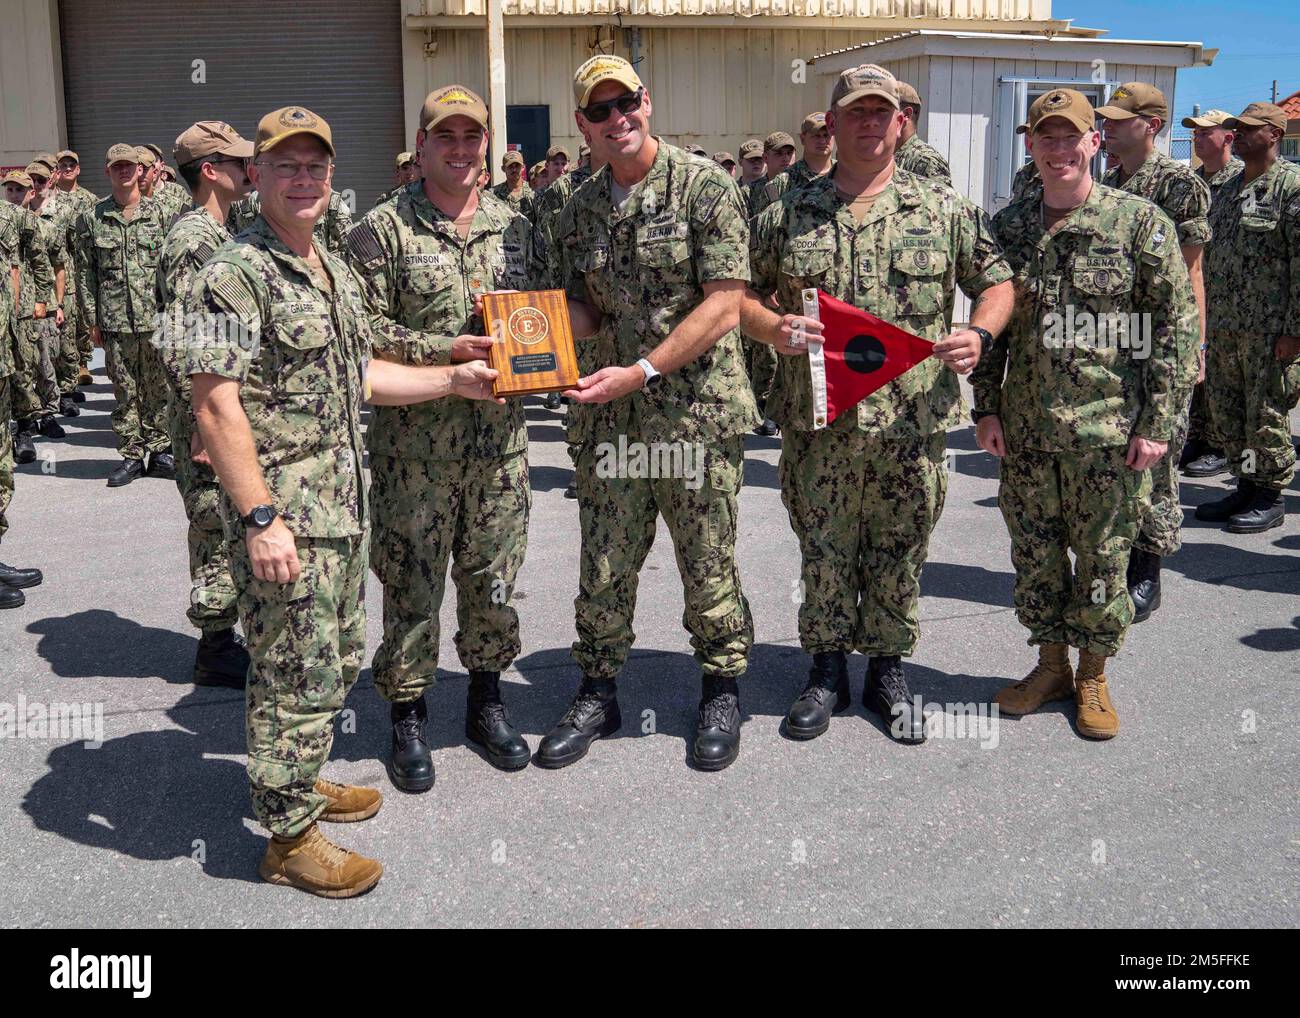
pixel 100 643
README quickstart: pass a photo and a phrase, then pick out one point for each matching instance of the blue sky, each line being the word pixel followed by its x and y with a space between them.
pixel 1257 41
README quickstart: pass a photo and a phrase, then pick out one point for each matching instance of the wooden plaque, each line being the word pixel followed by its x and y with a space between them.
pixel 534 342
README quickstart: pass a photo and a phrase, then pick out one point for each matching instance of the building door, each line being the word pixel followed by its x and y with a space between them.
pixel 529 128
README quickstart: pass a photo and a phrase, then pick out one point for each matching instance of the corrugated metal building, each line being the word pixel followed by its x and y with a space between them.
pixel 85 73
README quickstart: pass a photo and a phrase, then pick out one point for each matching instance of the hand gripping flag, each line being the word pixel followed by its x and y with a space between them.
pixel 857 354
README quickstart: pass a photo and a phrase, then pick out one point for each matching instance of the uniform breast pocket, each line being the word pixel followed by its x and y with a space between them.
pixel 305 362
pixel 1104 284
pixel 149 245
pixel 666 259
pixel 917 276
pixel 807 268
pixel 1258 225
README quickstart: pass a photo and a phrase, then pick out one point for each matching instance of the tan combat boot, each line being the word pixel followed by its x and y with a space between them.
pixel 1096 718
pixel 1051 679
pixel 84 377
pixel 347 803
pixel 313 863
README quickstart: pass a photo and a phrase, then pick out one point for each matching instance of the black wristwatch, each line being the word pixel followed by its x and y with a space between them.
pixel 260 516
pixel 986 338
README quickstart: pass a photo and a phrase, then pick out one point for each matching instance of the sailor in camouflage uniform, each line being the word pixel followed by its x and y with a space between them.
pixel 778 156
pixel 1079 399
pixel 11 227
pixel 1253 300
pixel 450 478
pixel 1212 143
pixel 68 183
pixel 59 212
pixel 912 154
pixel 170 196
pixel 30 387
pixel 211 157
pixel 514 190
pixel 865 493
pixel 118 243
pixel 652 238
pixel 818 159
pixel 278 356
pixel 407 172
pixel 1134 116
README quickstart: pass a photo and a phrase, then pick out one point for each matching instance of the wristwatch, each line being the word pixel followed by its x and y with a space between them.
pixel 986 338
pixel 260 516
pixel 652 377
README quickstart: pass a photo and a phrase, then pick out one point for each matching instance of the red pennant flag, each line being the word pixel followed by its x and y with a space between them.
pixel 861 353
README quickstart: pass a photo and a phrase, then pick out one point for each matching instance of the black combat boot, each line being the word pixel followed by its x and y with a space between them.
pixel 11 597
pixel 77 395
pixel 826 693
pixel 717 737
pixel 1221 510
pixel 51 428
pixel 411 766
pixel 768 429
pixel 126 472
pixel 887 694
pixel 24 447
pixel 221 660
pixel 572 490
pixel 12 576
pixel 68 406
pixel 1266 510
pixel 553 401
pixel 1210 463
pixel 1143 583
pixel 162 464
pixel 487 725
pixel 592 715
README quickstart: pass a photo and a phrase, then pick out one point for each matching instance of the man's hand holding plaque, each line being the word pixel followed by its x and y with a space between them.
pixel 532 341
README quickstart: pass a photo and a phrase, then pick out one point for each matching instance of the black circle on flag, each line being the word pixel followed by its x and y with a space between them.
pixel 864 354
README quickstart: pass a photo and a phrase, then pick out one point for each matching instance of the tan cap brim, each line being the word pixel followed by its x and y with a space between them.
pixel 853 97
pixel 1247 121
pixel 272 142
pixel 1201 122
pixel 242 149
pixel 1078 122
pixel 1114 113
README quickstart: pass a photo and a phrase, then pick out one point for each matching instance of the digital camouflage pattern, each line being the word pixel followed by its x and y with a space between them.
pixel 1027 179
pixel 1252 296
pixel 617 518
pixel 306 642
pixel 450 475
pixel 300 375
pixel 1215 181
pixel 1086 501
pixel 795 175
pixel 191 241
pixel 331 230
pixel 60 211
pixel 30 387
pixel 546 214
pixel 863 509
pixel 1184 197
pixel 139 414
pixel 173 198
pixel 644 267
pixel 117 262
pixel 1068 409
pixel 1115 254
pixel 915 156
pixel 297 352
pixel 522 201
pixel 918 242
pixel 10 229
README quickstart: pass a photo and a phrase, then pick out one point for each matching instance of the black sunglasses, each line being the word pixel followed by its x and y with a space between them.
pixel 598 113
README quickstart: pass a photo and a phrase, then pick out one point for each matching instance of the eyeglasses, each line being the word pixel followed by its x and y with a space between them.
pixel 288 169
pixel 598 113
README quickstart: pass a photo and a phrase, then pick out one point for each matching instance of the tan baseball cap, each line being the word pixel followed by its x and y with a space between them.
pixel 906 93
pixel 512 158
pixel 1135 99
pixel 287 122
pixel 35 169
pixel 144 155
pixel 724 157
pixel 1210 118
pixel 603 67
pixel 537 167
pixel 751 148
pixel 121 153
pixel 17 177
pixel 557 150
pixel 812 122
pixel 1259 113
pixel 207 138
pixel 867 79
pixel 405 157
pixel 776 140
pixel 47 159
pixel 67 153
pixel 452 101
pixel 1065 103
